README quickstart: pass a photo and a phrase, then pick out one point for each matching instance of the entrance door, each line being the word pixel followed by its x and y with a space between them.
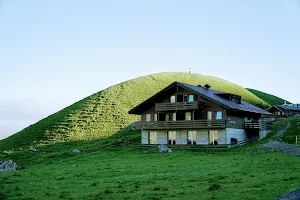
pixel 213 137
pixel 191 135
pixel 172 137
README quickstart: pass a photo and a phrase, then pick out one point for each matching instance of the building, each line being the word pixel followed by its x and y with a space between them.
pixel 285 110
pixel 196 115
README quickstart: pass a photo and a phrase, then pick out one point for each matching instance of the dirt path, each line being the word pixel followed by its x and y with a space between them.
pixel 281 132
pixel 284 147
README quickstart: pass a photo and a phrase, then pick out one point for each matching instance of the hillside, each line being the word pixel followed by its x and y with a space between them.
pixel 104 113
pixel 268 98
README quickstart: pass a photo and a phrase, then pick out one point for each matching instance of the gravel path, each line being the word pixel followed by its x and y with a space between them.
pixel 281 132
pixel 287 148
pixel 284 147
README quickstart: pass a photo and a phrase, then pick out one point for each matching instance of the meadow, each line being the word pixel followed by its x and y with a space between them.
pixel 103 171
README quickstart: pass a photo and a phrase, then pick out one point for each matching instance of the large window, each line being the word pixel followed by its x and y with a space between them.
pixel 152 137
pixel 213 137
pixel 148 117
pixel 209 115
pixel 172 99
pixel 188 116
pixel 219 115
pixel 191 135
pixel 172 137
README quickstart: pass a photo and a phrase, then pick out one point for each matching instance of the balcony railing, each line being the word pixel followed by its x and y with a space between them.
pixel 176 106
pixel 182 124
pixel 255 125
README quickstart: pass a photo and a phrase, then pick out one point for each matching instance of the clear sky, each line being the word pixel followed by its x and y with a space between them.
pixel 53 52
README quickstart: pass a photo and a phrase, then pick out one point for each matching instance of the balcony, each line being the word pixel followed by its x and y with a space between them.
pixel 190 124
pixel 176 106
pixel 255 125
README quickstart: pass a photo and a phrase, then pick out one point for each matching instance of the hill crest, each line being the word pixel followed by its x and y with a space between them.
pixel 104 113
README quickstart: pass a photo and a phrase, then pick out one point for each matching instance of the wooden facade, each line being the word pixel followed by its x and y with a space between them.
pixel 179 115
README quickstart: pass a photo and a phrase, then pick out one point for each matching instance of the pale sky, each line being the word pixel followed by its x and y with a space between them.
pixel 53 52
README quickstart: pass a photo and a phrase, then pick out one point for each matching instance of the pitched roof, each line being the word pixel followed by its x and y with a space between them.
pixel 287 108
pixel 208 94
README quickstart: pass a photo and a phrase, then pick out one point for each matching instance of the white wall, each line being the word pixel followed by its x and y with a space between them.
pixel 239 134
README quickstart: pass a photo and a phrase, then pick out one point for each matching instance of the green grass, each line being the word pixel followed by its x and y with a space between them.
pixel 104 113
pixel 293 131
pixel 54 172
pixel 270 99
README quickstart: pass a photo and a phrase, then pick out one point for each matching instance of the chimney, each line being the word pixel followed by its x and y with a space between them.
pixel 207 86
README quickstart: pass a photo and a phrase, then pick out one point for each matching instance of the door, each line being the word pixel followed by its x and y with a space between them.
pixel 172 137
pixel 191 135
pixel 213 137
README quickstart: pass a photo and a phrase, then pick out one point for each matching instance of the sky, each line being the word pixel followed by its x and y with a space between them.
pixel 54 53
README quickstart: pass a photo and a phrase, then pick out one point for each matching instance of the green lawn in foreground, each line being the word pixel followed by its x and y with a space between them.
pixel 54 172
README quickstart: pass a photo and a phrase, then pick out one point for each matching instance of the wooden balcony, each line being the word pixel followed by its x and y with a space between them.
pixel 255 125
pixel 176 106
pixel 189 124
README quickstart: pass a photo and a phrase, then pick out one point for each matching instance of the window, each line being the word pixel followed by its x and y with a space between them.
pixel 152 137
pixel 219 115
pixel 188 116
pixel 186 98
pixel 191 98
pixel 173 116
pixel 191 137
pixel 155 117
pixel 209 115
pixel 213 137
pixel 148 117
pixel 172 137
pixel 179 98
pixel 172 99
pixel 167 117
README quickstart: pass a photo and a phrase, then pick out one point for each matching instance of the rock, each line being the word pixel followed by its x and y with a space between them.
pixel 164 148
pixel 76 151
pixel 294 195
pixel 8 165
pixel 32 149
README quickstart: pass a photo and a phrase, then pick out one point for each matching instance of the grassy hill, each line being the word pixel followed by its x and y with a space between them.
pixel 104 113
pixel 270 99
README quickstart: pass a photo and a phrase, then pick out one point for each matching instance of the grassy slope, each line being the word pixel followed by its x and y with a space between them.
pixel 252 172
pixel 104 113
pixel 270 99
pixel 293 131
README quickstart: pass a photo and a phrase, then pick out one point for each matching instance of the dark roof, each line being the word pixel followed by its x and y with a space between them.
pixel 290 107
pixel 287 108
pixel 208 94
